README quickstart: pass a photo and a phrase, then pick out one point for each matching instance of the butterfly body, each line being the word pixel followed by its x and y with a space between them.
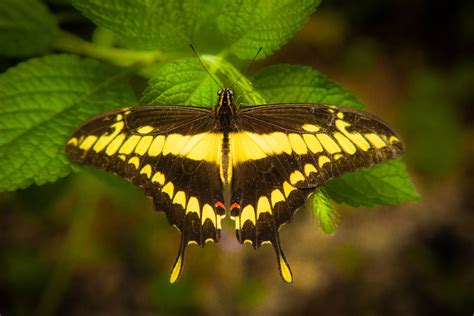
pixel 256 163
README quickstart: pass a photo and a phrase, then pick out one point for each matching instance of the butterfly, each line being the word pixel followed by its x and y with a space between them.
pixel 256 163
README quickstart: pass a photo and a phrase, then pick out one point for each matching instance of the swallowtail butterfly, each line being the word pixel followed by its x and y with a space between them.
pixel 258 163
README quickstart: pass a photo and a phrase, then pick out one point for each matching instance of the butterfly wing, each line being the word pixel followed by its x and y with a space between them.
pixel 282 152
pixel 169 151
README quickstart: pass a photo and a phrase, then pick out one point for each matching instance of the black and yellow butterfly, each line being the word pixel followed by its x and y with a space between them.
pixel 259 163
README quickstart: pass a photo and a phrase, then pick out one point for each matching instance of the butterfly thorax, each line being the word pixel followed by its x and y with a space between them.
pixel 225 110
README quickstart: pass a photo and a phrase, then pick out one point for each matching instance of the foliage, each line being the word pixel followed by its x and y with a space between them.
pixel 43 99
pixel 26 28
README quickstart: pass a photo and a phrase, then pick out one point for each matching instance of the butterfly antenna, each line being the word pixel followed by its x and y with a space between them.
pixel 204 66
pixel 247 68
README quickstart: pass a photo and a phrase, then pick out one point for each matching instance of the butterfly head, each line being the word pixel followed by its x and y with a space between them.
pixel 225 103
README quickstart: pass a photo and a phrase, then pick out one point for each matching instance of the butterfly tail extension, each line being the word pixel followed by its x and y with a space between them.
pixel 179 262
pixel 283 266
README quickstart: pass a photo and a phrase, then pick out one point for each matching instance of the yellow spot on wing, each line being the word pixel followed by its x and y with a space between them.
pixel 156 146
pixel 355 137
pixel 259 140
pixel 247 146
pixel 263 206
pixel 146 171
pixel 208 213
pixel 206 148
pixel 276 197
pixel 174 143
pixel 275 146
pixel 134 161
pixel 345 143
pixel 244 148
pixel 309 168
pixel 283 142
pixel 375 140
pixel 180 144
pixel 105 139
pixel 296 177
pixel 168 189
pixel 115 145
pixel 206 209
pixel 312 142
pixel 180 198
pixel 191 143
pixel 298 144
pixel 129 145
pixel 145 129
pixel 237 222
pixel 337 156
pixel 323 160
pixel 311 128
pixel 248 214
pixel 158 178
pixel 288 188
pixel 88 142
pixel 219 219
pixel 193 205
pixel 393 140
pixel 340 115
pixel 143 145
pixel 72 141
pixel 328 143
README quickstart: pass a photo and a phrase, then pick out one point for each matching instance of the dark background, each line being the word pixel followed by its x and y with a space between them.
pixel 91 244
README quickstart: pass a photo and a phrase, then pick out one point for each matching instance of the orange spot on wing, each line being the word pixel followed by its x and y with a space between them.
pixel 220 204
pixel 235 205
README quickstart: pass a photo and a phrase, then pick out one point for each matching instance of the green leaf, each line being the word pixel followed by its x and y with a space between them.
pixel 142 24
pixel 186 82
pixel 324 212
pixel 41 102
pixel 181 82
pixel 288 83
pixel 251 24
pixel 384 184
pixel 26 28
pixel 234 78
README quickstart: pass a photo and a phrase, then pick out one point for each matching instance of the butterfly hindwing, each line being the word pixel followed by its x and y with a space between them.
pixel 169 151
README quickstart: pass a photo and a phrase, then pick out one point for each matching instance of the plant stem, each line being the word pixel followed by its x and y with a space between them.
pixel 71 43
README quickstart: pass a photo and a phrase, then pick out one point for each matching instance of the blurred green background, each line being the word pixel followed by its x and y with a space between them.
pixel 92 244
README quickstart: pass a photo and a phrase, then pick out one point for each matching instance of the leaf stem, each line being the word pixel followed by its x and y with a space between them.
pixel 71 43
